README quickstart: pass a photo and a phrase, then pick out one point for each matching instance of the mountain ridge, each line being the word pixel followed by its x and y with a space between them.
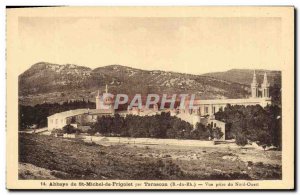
pixel 154 70
pixel 47 82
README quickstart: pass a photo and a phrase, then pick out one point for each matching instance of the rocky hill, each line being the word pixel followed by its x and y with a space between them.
pixel 245 76
pixel 46 82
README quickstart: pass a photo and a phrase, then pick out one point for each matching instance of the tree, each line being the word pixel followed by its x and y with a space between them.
pixel 91 132
pixel 217 133
pixel 117 124
pixel 241 139
pixel 155 128
pixel 69 129
pixel 201 132
pixel 171 133
pixel 264 139
pixel 103 125
pixel 253 123
pixel 30 115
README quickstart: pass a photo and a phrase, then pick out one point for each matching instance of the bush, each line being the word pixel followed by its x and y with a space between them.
pixel 217 133
pixel 262 125
pixel 30 115
pixel 91 132
pixel 250 163
pixel 158 126
pixel 69 129
pixel 241 139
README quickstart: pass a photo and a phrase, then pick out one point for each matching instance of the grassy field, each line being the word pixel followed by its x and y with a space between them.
pixel 47 157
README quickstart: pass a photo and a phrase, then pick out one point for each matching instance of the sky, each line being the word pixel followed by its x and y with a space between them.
pixel 193 45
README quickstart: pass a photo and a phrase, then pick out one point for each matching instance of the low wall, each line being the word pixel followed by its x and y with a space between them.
pixel 149 141
pixel 74 136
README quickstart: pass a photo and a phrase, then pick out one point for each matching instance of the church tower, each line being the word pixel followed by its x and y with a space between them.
pixel 265 87
pixel 106 99
pixel 254 87
pixel 98 99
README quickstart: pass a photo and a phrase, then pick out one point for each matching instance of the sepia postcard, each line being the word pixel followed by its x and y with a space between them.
pixel 150 98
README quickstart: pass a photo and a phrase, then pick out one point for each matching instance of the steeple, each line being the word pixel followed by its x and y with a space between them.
pixel 265 87
pixel 98 99
pixel 254 78
pixel 265 82
pixel 254 86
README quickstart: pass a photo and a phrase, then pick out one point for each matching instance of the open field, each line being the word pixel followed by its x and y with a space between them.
pixel 47 157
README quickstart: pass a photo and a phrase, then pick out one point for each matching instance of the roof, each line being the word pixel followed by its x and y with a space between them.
pixel 148 112
pixel 76 112
pixel 232 101
pixel 99 111
pixel 70 113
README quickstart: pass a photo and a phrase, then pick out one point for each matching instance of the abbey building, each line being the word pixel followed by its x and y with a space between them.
pixel 259 96
pixel 82 118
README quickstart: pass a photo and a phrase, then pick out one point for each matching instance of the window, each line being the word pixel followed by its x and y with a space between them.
pixel 56 121
pixel 206 109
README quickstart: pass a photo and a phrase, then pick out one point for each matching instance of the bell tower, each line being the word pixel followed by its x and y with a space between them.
pixel 107 98
pixel 98 99
pixel 265 87
pixel 254 87
pixel 105 102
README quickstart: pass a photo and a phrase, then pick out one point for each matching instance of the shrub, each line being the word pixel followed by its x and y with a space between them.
pixel 250 163
pixel 241 139
pixel 217 133
pixel 69 129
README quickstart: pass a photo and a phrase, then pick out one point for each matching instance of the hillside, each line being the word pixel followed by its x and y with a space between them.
pixel 46 82
pixel 245 76
pixel 47 157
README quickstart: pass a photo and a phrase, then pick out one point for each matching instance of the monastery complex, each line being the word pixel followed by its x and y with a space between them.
pixel 82 118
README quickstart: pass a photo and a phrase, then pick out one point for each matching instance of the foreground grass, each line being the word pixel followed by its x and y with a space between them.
pixel 75 159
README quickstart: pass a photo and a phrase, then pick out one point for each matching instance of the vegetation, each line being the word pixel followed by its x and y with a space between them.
pixel 241 139
pixel 253 123
pixel 157 126
pixel 250 123
pixel 37 115
pixel 69 129
pixel 52 82
pixel 74 159
pixel 206 132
